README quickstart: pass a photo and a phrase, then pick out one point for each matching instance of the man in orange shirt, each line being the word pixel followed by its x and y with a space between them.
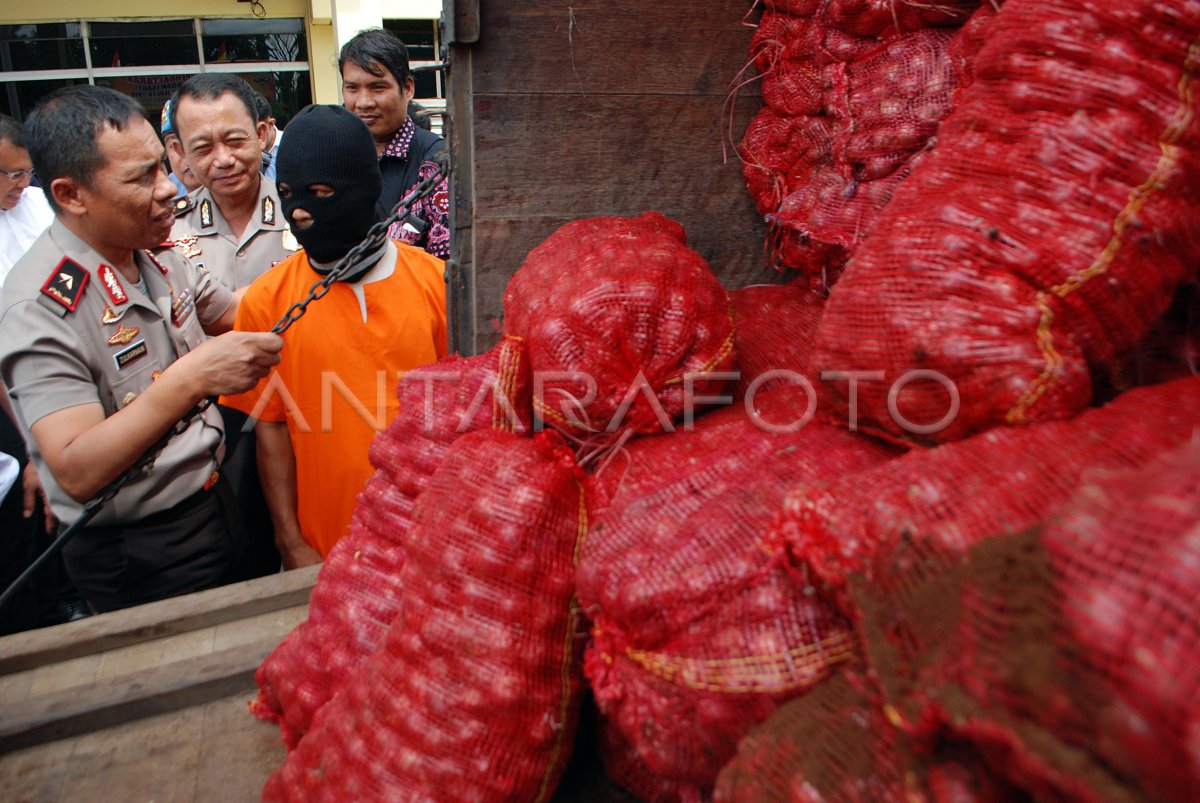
pixel 319 409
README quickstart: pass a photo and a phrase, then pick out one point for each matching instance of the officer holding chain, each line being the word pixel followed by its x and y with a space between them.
pixel 104 347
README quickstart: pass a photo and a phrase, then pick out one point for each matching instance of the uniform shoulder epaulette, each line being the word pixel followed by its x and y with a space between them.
pixel 65 285
pixel 183 206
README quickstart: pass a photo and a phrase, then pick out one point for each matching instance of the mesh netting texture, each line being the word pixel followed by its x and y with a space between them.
pixel 698 632
pixel 474 692
pixel 774 328
pixel 1043 235
pixel 836 744
pixel 358 591
pixel 1067 655
pixel 852 93
pixel 957 494
pixel 615 312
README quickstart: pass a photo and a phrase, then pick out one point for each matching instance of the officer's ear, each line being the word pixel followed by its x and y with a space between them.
pixel 68 194
pixel 261 128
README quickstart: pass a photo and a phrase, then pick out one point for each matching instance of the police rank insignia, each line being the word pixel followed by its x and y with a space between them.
pixel 112 285
pixel 108 316
pixel 182 307
pixel 289 241
pixel 188 246
pixel 66 283
pixel 268 212
pixel 206 215
pixel 183 206
pixel 123 335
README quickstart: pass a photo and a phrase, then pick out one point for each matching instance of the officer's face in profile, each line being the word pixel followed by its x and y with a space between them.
pixel 223 144
pixel 127 204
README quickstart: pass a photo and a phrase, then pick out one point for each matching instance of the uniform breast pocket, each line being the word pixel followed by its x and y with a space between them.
pixel 130 384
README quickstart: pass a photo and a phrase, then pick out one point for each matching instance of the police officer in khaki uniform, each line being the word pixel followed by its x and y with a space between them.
pixel 104 348
pixel 232 226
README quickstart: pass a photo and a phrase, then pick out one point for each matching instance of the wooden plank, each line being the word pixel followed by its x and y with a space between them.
pixel 105 703
pixel 155 620
pixel 596 47
pixel 544 161
pixel 608 107
pixel 214 751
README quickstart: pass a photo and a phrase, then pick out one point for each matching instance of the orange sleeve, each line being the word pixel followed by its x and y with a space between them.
pixel 265 400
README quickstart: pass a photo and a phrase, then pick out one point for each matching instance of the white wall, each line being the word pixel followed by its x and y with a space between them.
pixel 352 16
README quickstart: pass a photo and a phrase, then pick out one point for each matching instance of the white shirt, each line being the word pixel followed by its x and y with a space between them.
pixel 20 226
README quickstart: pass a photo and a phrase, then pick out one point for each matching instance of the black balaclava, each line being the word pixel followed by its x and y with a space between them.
pixel 329 145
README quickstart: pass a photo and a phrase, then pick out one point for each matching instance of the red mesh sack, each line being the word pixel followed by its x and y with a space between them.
pixel 625 768
pixel 957 494
pixel 773 331
pixel 358 591
pixel 880 103
pixel 1066 655
pixel 1043 235
pixel 836 744
pixel 615 313
pixel 698 632
pixel 780 154
pixel 473 694
pixel 1125 557
pixel 879 18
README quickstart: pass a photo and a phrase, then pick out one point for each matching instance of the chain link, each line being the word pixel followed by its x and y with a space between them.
pixel 375 237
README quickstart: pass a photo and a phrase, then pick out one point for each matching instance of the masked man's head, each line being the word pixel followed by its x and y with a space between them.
pixel 328 177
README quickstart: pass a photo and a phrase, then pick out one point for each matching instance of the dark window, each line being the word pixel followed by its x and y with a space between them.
pixel 143 44
pixel 419 36
pixel 17 98
pixel 254 40
pixel 45 46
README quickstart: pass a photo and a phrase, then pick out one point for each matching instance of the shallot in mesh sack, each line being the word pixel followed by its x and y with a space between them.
pixel 698 632
pixel 474 692
pixel 621 321
pixel 957 494
pixel 358 591
pixel 1066 655
pixel 1040 239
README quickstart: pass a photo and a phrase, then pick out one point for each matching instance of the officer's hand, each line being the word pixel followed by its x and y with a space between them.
pixel 233 362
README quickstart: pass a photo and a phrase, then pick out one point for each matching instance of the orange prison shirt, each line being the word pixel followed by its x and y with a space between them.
pixel 335 384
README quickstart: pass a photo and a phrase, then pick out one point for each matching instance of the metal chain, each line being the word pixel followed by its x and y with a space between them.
pixel 376 236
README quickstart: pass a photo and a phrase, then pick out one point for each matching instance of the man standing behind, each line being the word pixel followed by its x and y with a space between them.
pixel 181 172
pixel 378 86
pixel 24 213
pixel 103 350
pixel 274 135
pixel 232 227
pixel 316 413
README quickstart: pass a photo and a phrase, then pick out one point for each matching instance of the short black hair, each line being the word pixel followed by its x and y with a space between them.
pixel 64 128
pixel 11 131
pixel 210 86
pixel 383 48
pixel 262 107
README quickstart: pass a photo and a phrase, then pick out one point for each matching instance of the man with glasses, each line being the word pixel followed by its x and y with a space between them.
pixel 24 213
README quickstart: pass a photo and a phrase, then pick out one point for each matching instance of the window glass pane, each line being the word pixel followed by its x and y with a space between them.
pixel 254 40
pixel 287 91
pixel 17 98
pixel 140 44
pixel 426 85
pixel 46 46
pixel 418 36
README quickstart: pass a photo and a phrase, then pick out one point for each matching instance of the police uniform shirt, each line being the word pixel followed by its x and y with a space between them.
pixel 74 331
pixel 203 237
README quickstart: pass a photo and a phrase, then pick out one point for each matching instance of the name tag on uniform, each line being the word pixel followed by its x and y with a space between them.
pixel 126 356
pixel 182 307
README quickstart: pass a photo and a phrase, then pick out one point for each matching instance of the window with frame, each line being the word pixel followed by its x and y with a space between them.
pixel 149 59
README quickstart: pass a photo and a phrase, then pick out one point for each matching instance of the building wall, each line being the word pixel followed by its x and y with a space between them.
pixel 328 23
